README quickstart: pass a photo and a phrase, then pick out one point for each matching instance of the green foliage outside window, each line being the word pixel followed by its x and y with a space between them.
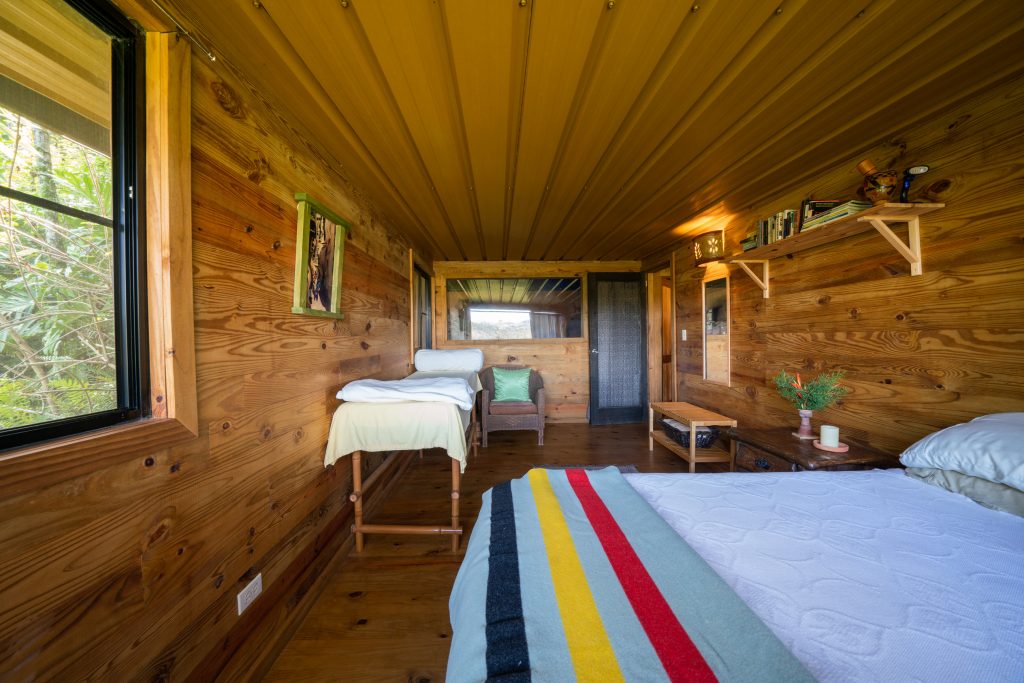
pixel 57 346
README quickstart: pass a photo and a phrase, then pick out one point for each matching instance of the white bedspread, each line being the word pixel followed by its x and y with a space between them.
pixel 442 389
pixel 865 576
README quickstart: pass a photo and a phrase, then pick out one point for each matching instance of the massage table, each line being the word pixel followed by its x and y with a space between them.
pixel 399 426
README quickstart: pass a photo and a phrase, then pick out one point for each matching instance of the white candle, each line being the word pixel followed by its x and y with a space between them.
pixel 829 436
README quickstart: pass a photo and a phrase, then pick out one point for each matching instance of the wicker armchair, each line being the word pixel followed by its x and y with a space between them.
pixel 504 415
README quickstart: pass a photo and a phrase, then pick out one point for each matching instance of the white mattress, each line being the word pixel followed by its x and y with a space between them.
pixel 865 576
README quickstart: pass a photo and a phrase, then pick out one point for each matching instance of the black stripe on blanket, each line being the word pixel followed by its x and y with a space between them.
pixel 508 658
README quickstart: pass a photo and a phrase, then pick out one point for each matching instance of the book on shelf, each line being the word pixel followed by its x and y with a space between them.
pixel 809 208
pixel 837 212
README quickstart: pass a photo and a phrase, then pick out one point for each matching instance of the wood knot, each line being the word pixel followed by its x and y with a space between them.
pixel 368 326
pixel 364 345
pixel 277 244
pixel 218 581
pixel 323 345
pixel 227 99
pixel 960 120
pixel 822 300
pixel 176 467
pixel 259 168
pixel 149 462
pixel 854 313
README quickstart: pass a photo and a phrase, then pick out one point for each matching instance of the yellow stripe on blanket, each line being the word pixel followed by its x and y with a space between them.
pixel 591 651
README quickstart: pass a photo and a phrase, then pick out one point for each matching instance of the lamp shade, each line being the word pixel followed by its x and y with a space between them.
pixel 709 247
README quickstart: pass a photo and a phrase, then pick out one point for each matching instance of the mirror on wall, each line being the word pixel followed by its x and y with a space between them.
pixel 716 330
pixel 481 309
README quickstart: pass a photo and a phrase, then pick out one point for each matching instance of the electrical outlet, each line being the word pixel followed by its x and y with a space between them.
pixel 682 334
pixel 250 593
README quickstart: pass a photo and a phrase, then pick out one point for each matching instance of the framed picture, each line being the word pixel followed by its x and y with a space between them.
pixel 319 257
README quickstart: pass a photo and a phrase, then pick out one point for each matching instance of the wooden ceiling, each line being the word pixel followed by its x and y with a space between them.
pixel 589 129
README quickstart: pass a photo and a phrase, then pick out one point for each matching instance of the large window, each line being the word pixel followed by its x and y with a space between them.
pixel 526 308
pixel 69 253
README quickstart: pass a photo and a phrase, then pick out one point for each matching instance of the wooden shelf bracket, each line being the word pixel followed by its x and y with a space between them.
pixel 910 250
pixel 761 281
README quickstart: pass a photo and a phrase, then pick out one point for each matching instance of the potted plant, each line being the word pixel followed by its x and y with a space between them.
pixel 821 392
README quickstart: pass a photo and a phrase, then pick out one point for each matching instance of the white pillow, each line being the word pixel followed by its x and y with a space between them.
pixel 449 360
pixel 990 447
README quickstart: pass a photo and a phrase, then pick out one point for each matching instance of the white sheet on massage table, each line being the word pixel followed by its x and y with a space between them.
pixel 403 425
pixel 865 576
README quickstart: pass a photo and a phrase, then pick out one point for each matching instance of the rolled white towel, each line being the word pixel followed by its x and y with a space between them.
pixel 442 360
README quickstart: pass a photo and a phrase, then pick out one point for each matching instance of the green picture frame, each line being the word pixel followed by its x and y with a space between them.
pixel 319 258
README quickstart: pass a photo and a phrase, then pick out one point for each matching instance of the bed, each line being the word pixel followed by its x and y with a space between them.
pixel 830 576
pixel 434 407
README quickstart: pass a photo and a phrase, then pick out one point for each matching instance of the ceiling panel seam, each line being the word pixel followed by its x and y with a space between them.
pixel 467 165
pixel 385 87
pixel 515 135
pixel 597 45
pixel 749 52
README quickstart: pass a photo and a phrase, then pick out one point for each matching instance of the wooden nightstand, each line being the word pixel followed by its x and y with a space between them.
pixel 777 450
pixel 692 416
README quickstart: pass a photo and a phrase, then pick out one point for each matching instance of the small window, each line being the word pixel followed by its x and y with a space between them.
pixel 70 270
pixel 422 310
pixel 482 309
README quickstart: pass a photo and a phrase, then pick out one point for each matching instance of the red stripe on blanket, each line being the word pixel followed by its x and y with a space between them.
pixel 680 657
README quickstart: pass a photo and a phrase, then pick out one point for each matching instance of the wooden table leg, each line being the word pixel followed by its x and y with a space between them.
pixel 650 430
pixel 693 448
pixel 357 495
pixel 456 480
pixel 732 454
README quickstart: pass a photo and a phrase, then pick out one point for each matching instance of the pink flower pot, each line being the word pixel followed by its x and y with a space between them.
pixel 805 425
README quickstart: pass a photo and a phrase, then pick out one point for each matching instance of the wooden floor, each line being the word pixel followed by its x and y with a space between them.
pixel 383 616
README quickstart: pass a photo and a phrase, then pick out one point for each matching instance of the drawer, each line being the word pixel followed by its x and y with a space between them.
pixel 755 460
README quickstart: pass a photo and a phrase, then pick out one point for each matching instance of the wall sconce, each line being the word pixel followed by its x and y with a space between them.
pixel 709 247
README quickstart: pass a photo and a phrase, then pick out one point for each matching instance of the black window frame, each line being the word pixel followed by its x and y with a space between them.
pixel 128 166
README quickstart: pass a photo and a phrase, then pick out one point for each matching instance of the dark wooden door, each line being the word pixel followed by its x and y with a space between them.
pixel 618 354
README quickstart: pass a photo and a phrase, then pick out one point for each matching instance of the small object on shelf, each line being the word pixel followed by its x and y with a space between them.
pixel 835 213
pixel 879 186
pixel 829 436
pixel 908 177
pixel 841 448
pixel 680 433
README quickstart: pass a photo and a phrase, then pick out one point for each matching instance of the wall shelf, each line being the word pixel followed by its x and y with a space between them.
pixel 877 217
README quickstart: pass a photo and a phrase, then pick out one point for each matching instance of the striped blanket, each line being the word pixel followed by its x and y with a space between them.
pixel 570 575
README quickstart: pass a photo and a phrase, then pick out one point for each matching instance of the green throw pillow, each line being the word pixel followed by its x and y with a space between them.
pixel 511 385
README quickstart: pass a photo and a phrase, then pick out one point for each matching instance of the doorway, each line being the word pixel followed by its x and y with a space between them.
pixel 618 354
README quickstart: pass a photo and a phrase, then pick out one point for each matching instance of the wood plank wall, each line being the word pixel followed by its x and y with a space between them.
pixel 564 364
pixel 130 572
pixel 920 353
